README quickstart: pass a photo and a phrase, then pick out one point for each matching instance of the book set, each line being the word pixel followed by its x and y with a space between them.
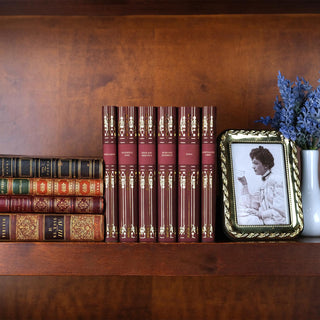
pixel 160 173
pixel 51 199
pixel 155 183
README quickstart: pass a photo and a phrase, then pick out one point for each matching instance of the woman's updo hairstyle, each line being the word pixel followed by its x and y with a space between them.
pixel 263 155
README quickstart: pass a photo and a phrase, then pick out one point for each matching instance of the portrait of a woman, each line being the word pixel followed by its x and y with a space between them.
pixel 267 205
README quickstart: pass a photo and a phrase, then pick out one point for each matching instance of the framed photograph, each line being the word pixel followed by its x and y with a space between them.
pixel 260 185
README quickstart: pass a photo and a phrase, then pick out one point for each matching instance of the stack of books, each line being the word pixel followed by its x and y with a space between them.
pixel 160 173
pixel 51 199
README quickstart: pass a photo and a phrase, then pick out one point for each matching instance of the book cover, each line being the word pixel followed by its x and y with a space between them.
pixel 29 167
pixel 208 171
pixel 127 168
pixel 110 172
pixel 51 227
pixel 51 204
pixel 167 174
pixel 189 174
pixel 51 187
pixel 147 174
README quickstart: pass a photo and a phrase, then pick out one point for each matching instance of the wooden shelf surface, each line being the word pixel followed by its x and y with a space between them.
pixel 154 7
pixel 292 258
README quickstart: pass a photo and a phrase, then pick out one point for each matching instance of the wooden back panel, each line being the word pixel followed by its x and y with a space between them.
pixel 57 72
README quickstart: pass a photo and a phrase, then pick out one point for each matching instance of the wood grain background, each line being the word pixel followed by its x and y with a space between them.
pixel 57 72
pixel 155 298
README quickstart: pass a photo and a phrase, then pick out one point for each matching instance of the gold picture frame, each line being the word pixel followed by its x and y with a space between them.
pixel 261 196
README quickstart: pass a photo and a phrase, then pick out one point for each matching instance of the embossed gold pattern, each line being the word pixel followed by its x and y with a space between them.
pixel 82 227
pixel 27 227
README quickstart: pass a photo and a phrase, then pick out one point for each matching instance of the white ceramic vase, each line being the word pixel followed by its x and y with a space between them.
pixel 310 193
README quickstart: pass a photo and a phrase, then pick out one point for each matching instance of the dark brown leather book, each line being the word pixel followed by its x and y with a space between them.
pixel 29 167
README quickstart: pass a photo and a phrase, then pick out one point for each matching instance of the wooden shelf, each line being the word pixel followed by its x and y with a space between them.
pixel 294 258
pixel 154 7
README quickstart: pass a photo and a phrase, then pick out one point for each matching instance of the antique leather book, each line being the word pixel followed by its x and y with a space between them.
pixel 208 173
pixel 147 173
pixel 127 168
pixel 188 174
pixel 47 204
pixel 51 187
pixel 109 114
pixel 29 167
pixel 167 174
pixel 51 227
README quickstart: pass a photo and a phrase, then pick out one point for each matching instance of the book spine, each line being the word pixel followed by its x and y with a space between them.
pixel 51 187
pixel 110 176
pixel 189 174
pixel 51 204
pixel 127 168
pixel 51 227
pixel 167 174
pixel 147 174
pixel 28 167
pixel 208 170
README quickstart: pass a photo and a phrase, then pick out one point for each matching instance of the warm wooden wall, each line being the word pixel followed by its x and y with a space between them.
pixel 57 72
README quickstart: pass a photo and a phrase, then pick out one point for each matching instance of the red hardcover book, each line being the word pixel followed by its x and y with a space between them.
pixel 208 170
pixel 167 174
pixel 51 227
pixel 127 168
pixel 110 176
pixel 63 168
pixel 51 187
pixel 51 204
pixel 147 171
pixel 189 174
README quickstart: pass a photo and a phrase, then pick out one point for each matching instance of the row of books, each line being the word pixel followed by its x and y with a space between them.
pixel 160 173
pixel 51 199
